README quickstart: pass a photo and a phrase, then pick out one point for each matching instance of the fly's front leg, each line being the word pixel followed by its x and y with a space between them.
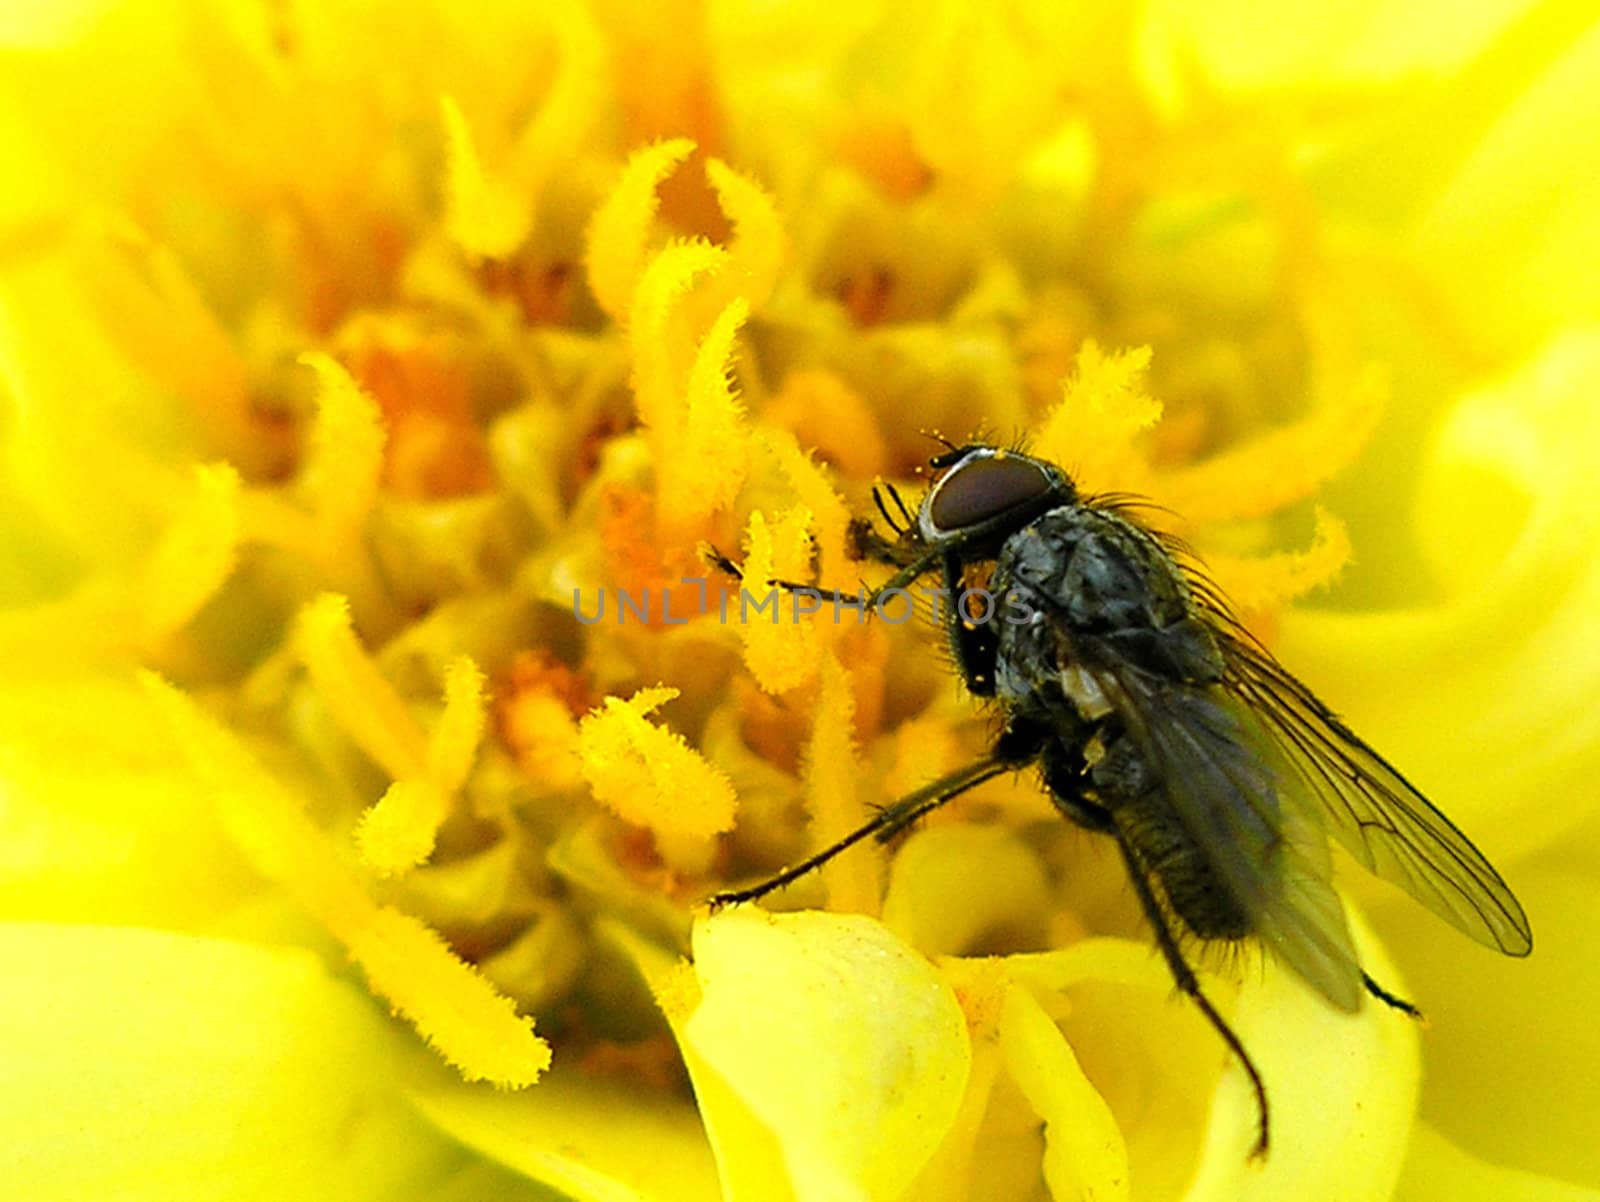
pixel 974 643
pixel 883 825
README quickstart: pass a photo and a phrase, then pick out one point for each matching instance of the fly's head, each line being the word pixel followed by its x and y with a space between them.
pixel 984 495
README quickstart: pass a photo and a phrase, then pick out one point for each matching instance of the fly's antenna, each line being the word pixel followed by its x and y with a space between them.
pixel 877 499
pixel 894 495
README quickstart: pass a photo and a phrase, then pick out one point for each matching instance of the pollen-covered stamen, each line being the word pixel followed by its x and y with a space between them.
pixel 650 776
pixel 452 1006
pixel 399 830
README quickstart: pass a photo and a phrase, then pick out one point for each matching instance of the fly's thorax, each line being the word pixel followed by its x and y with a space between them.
pixel 1082 581
pixel 1101 570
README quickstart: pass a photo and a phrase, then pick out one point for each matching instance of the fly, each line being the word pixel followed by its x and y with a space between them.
pixel 1156 719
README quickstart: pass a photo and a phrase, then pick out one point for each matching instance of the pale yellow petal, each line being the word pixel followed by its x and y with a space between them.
pixel 1342 1089
pixel 1437 1170
pixel 594 1140
pixel 750 1159
pixel 1085 1156
pixel 194 555
pixel 1514 238
pixel 213 1069
pixel 845 1044
pixel 96 818
pixel 1504 1035
pixel 931 905
pixel 1485 698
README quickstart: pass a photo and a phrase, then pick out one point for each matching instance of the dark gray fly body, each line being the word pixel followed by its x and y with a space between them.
pixel 1156 719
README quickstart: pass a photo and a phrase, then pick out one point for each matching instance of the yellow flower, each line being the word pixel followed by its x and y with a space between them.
pixel 370 377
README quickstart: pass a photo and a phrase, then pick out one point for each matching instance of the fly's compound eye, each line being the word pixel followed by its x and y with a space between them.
pixel 982 487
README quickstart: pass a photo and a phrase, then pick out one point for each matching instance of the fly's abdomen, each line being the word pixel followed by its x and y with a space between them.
pixel 1163 846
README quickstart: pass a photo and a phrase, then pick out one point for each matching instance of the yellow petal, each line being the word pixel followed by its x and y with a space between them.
pixel 88 443
pixel 1342 1088
pixel 1440 1171
pixel 1503 1033
pixel 844 1044
pixel 619 231
pixel 214 1069
pixel 1513 237
pixel 593 1140
pixel 976 1162
pixel 194 555
pixel 1328 43
pixel 750 1162
pixel 932 905
pixel 1085 1156
pixel 1507 518
pixel 96 814
pixel 156 313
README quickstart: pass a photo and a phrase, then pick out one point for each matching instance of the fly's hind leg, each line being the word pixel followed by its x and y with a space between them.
pixel 1189 984
pixel 1393 1001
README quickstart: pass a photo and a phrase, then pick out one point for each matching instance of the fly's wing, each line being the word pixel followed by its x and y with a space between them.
pixel 1224 780
pixel 1374 811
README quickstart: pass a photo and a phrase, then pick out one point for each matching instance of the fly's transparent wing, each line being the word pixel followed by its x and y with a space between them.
pixel 1374 811
pixel 1225 782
